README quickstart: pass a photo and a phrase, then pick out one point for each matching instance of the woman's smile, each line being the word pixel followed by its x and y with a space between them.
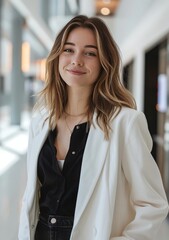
pixel 76 71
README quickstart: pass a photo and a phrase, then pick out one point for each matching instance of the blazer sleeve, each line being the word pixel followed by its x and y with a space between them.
pixel 146 188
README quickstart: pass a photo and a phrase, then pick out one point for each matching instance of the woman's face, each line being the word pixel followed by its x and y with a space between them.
pixel 79 64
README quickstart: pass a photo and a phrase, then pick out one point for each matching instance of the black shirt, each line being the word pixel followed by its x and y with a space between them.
pixel 59 188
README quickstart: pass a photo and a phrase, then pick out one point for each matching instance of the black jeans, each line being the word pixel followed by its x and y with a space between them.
pixel 54 227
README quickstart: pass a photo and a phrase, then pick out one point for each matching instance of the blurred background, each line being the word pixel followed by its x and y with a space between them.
pixel 27 31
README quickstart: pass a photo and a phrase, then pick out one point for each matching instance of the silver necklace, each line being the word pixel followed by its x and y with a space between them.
pixel 68 127
pixel 72 115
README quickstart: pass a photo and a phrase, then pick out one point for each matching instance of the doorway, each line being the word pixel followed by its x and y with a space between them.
pixel 156 104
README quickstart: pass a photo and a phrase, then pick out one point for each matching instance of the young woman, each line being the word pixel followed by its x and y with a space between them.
pixel 90 171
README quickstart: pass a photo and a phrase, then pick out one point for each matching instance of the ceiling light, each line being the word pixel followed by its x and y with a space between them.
pixel 106 1
pixel 105 11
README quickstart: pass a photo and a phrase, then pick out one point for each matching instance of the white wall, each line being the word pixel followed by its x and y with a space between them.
pixel 138 26
pixel 129 14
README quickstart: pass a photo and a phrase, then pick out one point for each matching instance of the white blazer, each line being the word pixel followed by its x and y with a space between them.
pixel 121 195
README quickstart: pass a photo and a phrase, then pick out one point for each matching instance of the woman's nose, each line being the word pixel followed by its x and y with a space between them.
pixel 77 61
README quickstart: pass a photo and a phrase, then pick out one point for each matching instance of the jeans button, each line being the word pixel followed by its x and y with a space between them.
pixel 53 220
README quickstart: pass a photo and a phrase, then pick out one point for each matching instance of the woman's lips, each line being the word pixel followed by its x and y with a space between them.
pixel 76 71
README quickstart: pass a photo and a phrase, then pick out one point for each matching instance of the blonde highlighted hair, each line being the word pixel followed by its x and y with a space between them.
pixel 108 95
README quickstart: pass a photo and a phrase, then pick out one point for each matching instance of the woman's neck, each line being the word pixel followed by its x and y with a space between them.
pixel 77 103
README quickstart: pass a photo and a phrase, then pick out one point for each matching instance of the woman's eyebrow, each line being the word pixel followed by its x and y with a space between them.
pixel 69 43
pixel 86 46
pixel 90 46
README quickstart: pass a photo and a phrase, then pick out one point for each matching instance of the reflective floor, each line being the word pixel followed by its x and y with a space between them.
pixel 13 147
pixel 13 177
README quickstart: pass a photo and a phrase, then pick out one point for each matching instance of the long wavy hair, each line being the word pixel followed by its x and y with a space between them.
pixel 109 93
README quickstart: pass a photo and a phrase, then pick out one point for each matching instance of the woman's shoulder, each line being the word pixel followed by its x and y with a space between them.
pixel 132 122
pixel 38 118
pixel 126 111
pixel 128 115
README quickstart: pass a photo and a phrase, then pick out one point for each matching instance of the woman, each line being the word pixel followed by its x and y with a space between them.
pixel 90 171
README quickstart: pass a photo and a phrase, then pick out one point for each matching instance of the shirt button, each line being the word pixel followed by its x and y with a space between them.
pixel 58 201
pixel 77 127
pixel 73 152
pixel 53 220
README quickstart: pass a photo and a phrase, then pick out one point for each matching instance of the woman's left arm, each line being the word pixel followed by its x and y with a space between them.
pixel 146 188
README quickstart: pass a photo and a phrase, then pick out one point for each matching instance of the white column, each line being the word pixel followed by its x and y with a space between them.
pixel 1 77
pixel 87 7
pixel 53 8
pixel 57 7
pixel 73 5
pixel 138 80
pixel 17 79
pixel 45 10
pixel 0 35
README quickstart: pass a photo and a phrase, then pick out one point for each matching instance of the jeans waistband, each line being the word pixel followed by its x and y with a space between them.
pixel 56 221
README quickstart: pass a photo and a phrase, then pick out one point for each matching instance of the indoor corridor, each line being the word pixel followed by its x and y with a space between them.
pixel 27 32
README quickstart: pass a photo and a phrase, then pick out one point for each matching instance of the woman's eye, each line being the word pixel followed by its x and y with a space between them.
pixel 90 54
pixel 68 50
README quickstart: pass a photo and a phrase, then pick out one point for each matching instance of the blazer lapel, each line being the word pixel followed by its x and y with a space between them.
pixel 93 160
